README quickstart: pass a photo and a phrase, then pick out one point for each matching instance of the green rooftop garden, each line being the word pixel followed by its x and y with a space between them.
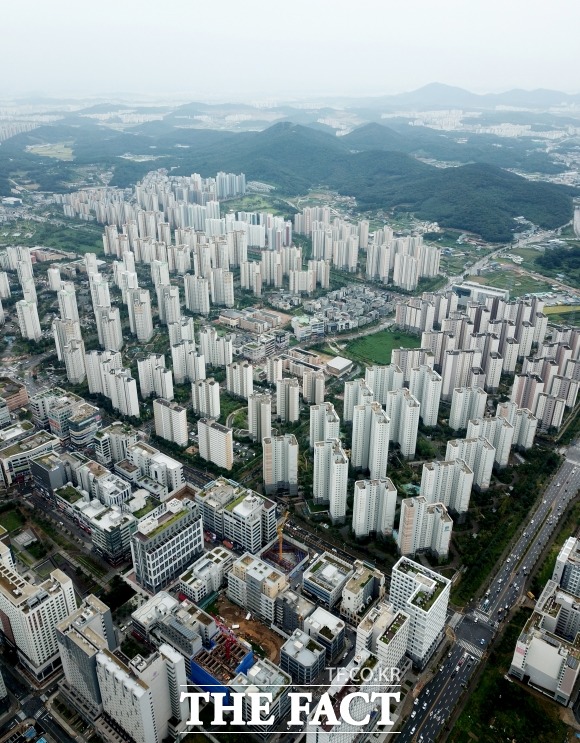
pixel 69 494
pixel 167 523
pixel 234 503
pixel 370 662
pixel 149 506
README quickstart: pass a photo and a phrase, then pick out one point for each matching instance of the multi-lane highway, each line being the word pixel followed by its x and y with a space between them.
pixel 478 626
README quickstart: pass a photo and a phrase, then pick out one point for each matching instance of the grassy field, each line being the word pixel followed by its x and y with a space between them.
pixel 565 314
pixel 377 348
pixel 58 150
pixel 11 520
pixel 517 284
pixel 257 203
pixel 500 710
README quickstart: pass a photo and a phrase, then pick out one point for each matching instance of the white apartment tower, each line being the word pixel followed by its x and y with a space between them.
pixel 140 314
pixel 324 423
pixel 383 379
pixel 424 527
pixel 240 379
pixel 30 615
pixel 403 411
pixel 123 392
pixel 449 483
pixel 370 439
pixel 28 320
pixel 374 507
pixel 260 416
pixel 356 392
pixel 466 403
pixel 313 387
pixel 170 421
pixel 67 302
pixel 205 397
pixel 424 595
pixel 280 463
pixel 196 294
pixel 217 350
pixel 331 477
pixel 109 328
pixel 216 443
pixel 73 355
pixel 478 454
pixel 288 400
pixel 425 385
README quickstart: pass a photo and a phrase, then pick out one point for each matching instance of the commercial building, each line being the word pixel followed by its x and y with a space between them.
pixel 384 631
pixel 292 608
pixel 142 696
pixel 280 463
pixel 365 586
pixel 547 653
pixel 216 443
pixel 423 594
pixel 25 608
pixel 254 585
pixel 14 393
pixel 326 578
pixel 111 532
pixel 165 544
pixel 158 466
pixel 375 502
pixel 567 568
pixel 170 421
pixel 111 443
pixel 237 514
pixel 264 678
pixel 302 657
pixel 15 458
pixel 206 575
pixel 424 527
pixel 80 637
pixel 328 630
pixel 48 472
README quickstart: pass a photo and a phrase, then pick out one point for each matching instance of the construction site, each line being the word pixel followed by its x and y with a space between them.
pixel 285 554
pixel 223 661
pixel 252 630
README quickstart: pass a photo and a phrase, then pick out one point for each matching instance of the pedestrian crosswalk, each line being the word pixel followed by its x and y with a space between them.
pixel 481 615
pixel 455 619
pixel 477 652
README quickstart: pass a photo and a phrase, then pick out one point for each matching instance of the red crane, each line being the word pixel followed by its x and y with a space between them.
pixel 230 637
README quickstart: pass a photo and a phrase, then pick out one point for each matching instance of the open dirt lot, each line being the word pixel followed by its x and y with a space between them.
pixel 253 630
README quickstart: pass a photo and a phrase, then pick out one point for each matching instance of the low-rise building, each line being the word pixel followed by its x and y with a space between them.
pixel 207 575
pixel 111 533
pixel 326 578
pixel 15 458
pixel 264 678
pixel 366 585
pixel 254 585
pixel 302 657
pixel 326 629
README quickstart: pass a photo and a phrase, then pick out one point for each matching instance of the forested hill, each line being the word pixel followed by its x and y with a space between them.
pixel 377 165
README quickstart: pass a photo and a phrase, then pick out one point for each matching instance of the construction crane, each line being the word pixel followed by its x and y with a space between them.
pixel 280 530
pixel 229 635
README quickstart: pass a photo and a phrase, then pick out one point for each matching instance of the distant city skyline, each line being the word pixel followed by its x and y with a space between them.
pixel 248 51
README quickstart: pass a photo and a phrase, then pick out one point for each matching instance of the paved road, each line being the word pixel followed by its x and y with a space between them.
pixel 476 629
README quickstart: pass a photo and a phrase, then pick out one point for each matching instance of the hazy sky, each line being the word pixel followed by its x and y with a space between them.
pixel 267 48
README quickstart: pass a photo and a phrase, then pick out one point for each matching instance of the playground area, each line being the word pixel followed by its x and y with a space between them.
pixel 252 630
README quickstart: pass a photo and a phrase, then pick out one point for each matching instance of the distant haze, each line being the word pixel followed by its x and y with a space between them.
pixel 273 50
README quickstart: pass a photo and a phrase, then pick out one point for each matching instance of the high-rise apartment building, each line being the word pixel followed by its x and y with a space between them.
pixel 288 400
pixel 466 403
pixel 313 387
pixel 383 379
pixel 356 392
pixel 423 594
pixel 375 502
pixel 28 320
pixel 498 431
pixel 140 314
pixel 196 294
pixel 370 439
pixel 280 463
pixel 122 390
pixel 449 483
pixel 260 416
pixel 403 411
pixel 331 477
pixel 478 454
pixel 30 613
pixel 216 443
pixel 205 397
pixel 109 328
pixel 240 379
pixel 217 350
pixel 424 527
pixel 425 385
pixel 67 302
pixel 324 423
pixel 170 421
